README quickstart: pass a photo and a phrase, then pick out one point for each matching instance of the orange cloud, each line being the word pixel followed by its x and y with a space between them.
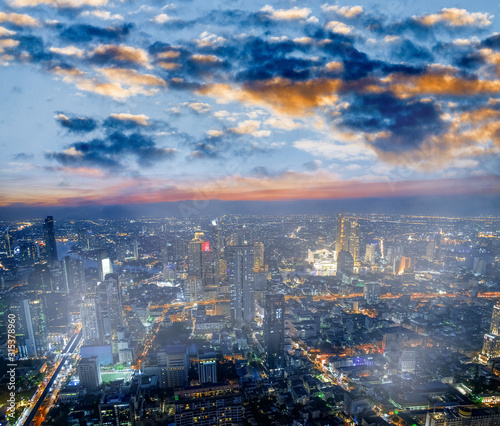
pixel 123 53
pixel 19 19
pixel 455 17
pixel 282 95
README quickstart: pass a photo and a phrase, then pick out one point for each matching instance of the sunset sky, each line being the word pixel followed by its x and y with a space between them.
pixel 112 102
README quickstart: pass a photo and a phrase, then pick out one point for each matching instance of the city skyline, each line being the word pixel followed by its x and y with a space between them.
pixel 291 101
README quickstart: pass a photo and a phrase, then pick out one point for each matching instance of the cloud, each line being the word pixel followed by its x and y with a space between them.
pixel 286 14
pixel 105 15
pixel 215 133
pixel 339 27
pixel 113 89
pixel 199 107
pixel 164 18
pixel 282 95
pixel 120 53
pixel 345 11
pixel 63 4
pixel 250 127
pixel 455 18
pixel 109 153
pixel 76 124
pixel 312 165
pixel 83 33
pixel 5 32
pixel 283 123
pixel 68 51
pixel 20 20
pixel 131 77
pixel 140 119
pixel 333 150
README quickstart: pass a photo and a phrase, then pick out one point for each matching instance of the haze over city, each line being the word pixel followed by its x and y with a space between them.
pixel 245 213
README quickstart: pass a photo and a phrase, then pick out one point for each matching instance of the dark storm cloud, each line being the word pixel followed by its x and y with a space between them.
pixel 84 33
pixel 108 152
pixel 34 46
pixel 76 124
pixel 409 121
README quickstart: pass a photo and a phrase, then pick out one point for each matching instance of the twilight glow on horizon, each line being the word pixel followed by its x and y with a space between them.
pixel 111 102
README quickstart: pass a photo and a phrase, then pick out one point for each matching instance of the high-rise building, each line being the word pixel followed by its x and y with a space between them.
pixel 240 274
pixel 491 343
pixel 345 262
pixel 31 328
pixel 41 279
pixel 109 296
pixel 209 266
pixel 274 331
pixel 207 367
pixel 407 361
pixel 92 327
pixel 174 365
pixel 258 253
pixel 370 254
pixel 104 265
pixel 89 372
pixel 50 240
pixel 116 410
pixel 371 293
pixel 83 239
pixel 194 258
pixel 347 237
pixel 74 276
pixel 215 405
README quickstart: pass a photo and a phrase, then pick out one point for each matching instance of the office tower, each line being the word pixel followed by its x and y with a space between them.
pixel 404 265
pixel 217 243
pixel 195 258
pixel 194 289
pixel 31 328
pixel 116 410
pixel 495 321
pixel 173 363
pixel 407 361
pixel 207 367
pixel 56 308
pixel 353 242
pixel 370 254
pixel 209 266
pixel 9 244
pixel 83 239
pixel 89 372
pixel 258 253
pixel 345 262
pixel 219 405
pixel 274 331
pixel 136 249
pixel 109 296
pixel 340 239
pixel 371 293
pixel 41 279
pixel 491 343
pixel 104 265
pixel 91 322
pixel 430 249
pixel 240 274
pixel 28 253
pixel 347 238
pixel 50 240
pixel 73 275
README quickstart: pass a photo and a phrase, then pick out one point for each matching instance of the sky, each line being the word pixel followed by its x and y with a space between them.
pixel 121 102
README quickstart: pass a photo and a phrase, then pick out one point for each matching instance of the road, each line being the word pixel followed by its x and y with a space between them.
pixel 66 354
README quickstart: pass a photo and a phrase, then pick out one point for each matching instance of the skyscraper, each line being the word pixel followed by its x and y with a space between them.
pixel 31 329
pixel 347 238
pixel 491 343
pixel 240 273
pixel 109 296
pixel 207 367
pixel 89 372
pixel 258 262
pixel 50 240
pixel 174 364
pixel 274 330
pixel 370 254
pixel 104 265
pixel 371 292
pixel 91 321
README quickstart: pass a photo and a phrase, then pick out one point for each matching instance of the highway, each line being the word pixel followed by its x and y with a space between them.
pixel 67 353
